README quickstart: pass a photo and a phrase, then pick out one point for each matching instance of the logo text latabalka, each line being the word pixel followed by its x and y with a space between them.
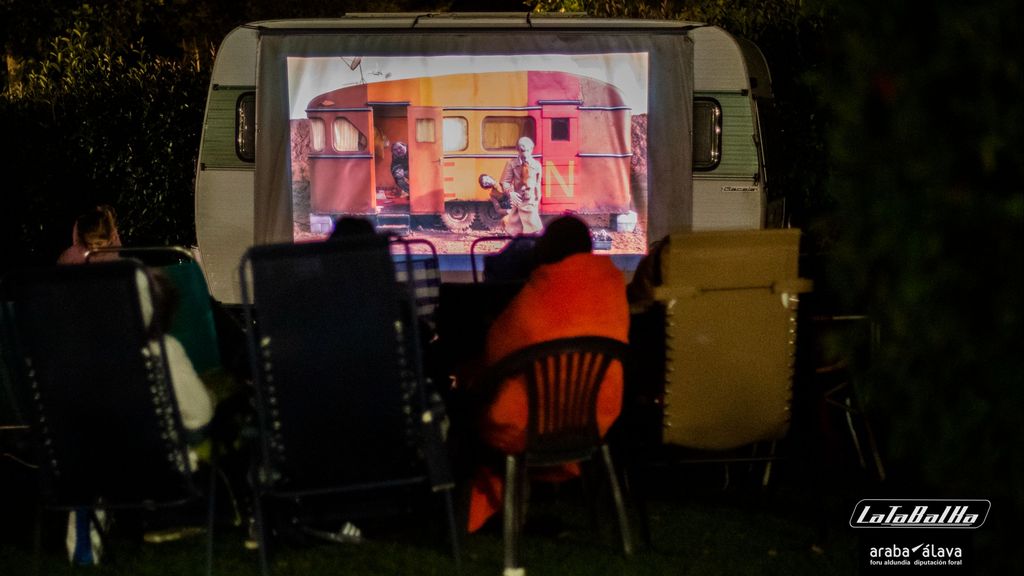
pixel 919 513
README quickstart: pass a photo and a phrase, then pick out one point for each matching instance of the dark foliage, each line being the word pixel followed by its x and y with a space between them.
pixel 926 167
pixel 103 103
pixel 87 127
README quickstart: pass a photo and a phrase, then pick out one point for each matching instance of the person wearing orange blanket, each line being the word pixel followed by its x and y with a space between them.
pixel 572 292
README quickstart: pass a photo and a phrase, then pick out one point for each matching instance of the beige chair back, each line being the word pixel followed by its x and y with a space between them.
pixel 731 299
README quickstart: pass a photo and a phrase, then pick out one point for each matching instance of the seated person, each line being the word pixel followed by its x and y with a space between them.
pixel 513 263
pixel 648 276
pixel 195 403
pixel 572 292
pixel 500 198
pixel 352 226
pixel 93 230
pixel 400 166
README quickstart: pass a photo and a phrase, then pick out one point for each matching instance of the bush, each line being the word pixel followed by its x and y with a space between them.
pixel 927 170
pixel 92 127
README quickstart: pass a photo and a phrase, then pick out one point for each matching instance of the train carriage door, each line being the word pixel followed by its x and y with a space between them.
pixel 559 142
pixel 426 152
pixel 340 163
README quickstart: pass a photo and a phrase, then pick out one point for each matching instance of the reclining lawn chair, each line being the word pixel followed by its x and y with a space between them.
pixel 730 299
pixel 420 257
pixel 340 397
pixel 98 394
pixel 193 323
pixel 13 425
pixel 511 264
pixel 195 326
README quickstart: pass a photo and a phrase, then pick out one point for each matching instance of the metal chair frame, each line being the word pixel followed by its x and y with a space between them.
pixel 66 483
pixel 268 378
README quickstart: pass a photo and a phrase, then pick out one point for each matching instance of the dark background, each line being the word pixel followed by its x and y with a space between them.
pixel 897 145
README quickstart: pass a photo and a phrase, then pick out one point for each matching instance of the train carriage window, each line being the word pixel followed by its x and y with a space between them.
pixel 455 134
pixel 245 127
pixel 502 132
pixel 559 129
pixel 426 130
pixel 707 133
pixel 316 134
pixel 348 138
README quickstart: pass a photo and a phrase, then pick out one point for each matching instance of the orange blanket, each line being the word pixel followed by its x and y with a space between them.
pixel 583 295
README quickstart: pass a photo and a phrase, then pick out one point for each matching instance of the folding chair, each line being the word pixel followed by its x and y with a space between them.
pixel 512 263
pixel 421 257
pixel 562 379
pixel 193 324
pixel 837 386
pixel 731 299
pixel 339 389
pixel 97 392
pixel 13 425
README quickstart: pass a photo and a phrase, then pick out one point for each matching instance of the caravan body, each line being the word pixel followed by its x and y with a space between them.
pixel 276 164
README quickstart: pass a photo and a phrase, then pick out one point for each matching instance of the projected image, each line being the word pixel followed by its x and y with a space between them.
pixel 454 148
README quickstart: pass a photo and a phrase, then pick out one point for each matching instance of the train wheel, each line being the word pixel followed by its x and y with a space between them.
pixel 490 218
pixel 458 216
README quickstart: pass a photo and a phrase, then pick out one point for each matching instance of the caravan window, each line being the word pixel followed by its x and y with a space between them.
pixel 316 134
pixel 245 127
pixel 502 132
pixel 347 138
pixel 707 133
pixel 456 134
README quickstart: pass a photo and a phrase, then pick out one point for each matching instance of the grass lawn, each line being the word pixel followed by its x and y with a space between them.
pixel 697 528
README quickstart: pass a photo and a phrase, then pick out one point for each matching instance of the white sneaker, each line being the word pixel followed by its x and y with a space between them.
pixel 349 533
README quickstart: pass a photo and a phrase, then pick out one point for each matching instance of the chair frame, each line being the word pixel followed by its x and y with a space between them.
pixel 157 379
pixel 263 485
pixel 426 286
pixel 203 355
pixel 509 240
pixel 554 437
pixel 759 269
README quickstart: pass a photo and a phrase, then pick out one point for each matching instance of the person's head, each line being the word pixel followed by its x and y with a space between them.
pixel 524 147
pixel 486 181
pixel 352 226
pixel 399 149
pixel 562 238
pixel 96 228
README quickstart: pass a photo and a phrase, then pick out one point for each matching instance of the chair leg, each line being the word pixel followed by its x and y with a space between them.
pixel 453 530
pixel 257 514
pixel 632 477
pixel 37 541
pixel 511 520
pixel 211 511
pixel 767 476
pixel 620 507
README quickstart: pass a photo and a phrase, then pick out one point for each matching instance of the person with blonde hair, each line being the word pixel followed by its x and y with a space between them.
pixel 93 230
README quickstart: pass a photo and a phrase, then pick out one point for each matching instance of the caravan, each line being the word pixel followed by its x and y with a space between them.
pixel 642 128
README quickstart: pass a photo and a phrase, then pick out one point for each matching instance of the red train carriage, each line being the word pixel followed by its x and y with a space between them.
pixel 457 127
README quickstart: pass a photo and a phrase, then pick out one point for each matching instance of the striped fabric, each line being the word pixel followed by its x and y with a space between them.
pixel 426 280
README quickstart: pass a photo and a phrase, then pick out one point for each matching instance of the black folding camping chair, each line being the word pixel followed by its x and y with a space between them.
pixel 338 378
pixel 96 390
